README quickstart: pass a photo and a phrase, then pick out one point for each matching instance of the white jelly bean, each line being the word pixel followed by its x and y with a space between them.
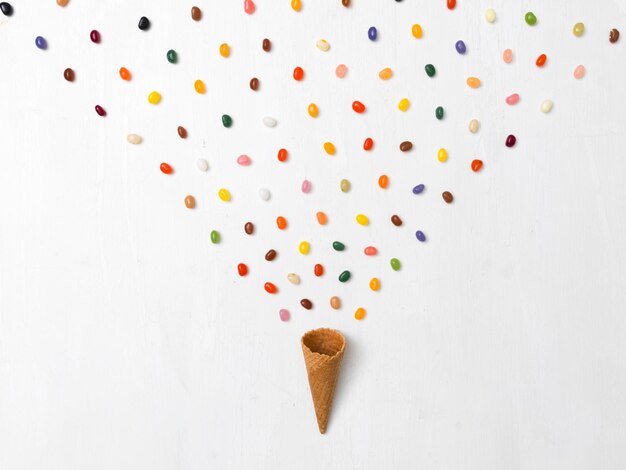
pixel 202 164
pixel 133 139
pixel 490 15
pixel 293 278
pixel 323 45
pixel 264 194
pixel 546 106
pixel 269 121
pixel 473 126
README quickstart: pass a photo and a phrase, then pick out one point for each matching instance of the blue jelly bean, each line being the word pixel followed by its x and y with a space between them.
pixel 372 33
pixel 41 42
pixel 460 47
pixel 418 189
pixel 420 236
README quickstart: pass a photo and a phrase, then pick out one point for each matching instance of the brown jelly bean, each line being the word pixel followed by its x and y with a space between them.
pixel 306 303
pixel 190 202
pixel 249 228
pixel 254 84
pixel 196 14
pixel 270 255
pixel 69 75
pixel 406 146
pixel 447 196
pixel 396 220
pixel 182 132
pixel 345 3
pixel 614 36
pixel 267 45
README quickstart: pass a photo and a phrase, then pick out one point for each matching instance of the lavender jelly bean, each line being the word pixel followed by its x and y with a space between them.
pixel 460 47
pixel 372 33
pixel 41 43
pixel 418 189
pixel 420 236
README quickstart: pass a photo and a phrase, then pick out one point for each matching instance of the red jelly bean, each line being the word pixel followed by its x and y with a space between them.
pixel 451 4
pixel 242 269
pixel 368 144
pixel 477 165
pixel 358 107
pixel 282 155
pixel 541 60
pixel 166 168
pixel 318 270
pixel 270 288
pixel 100 110
pixel 298 73
pixel 95 36
pixel 371 251
pixel 510 141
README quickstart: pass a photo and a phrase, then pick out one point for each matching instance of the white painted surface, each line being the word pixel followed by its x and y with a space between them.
pixel 128 342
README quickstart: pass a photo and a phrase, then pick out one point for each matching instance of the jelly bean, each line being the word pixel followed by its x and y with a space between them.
pixel 383 181
pixel 304 248
pixel 531 19
pixel 430 70
pixel 125 74
pixel 344 276
pixel 293 278
pixel 375 284
pixel 396 220
pixel 442 155
pixel 283 314
pixel 395 264
pixel 507 56
pixel 196 14
pixel 254 84
pixel 190 202
pixel 296 5
pixel 225 50
pixel 282 155
pixel 270 288
pixel 133 139
pixel 614 36
pixel 368 144
pixel 451 4
pixel 420 236
pixel 6 8
pixel 269 121
pixel 447 197
pixel 579 72
pixel 335 302
pixel 460 47
pixel 69 75
pixel 360 312
pixel 202 164
pixel 370 251
pixel 512 99
pixel 541 60
pixel 490 15
pixel 322 218
pixel 338 246
pixel 323 45
pixel 510 140
pixel 199 87
pixel 62 3
pixel 419 189
pixel 476 165
pixel 385 74
pixel 242 269
pixel 473 82
pixel 344 185
pixel 298 73
pixel 172 56
pixel 41 43
pixel 404 104
pixel 100 110
pixel 473 126
pixel 306 186
pixel 318 270
pixel 144 24
pixel 248 228
pixel 307 304
pixel 266 45
pixel 227 121
pixel 166 168
pixel 95 36
pixel 439 113
pixel 341 70
pixel 546 106
pixel 270 255
pixel 215 237
pixel 406 146
pixel 244 160
pixel 362 219
pixel 578 29
pixel 154 97
pixel 224 194
pixel 265 194
pixel 372 33
pixel 345 3
pixel 358 107
pixel 313 110
pixel 281 222
pixel 416 31
pixel 249 6
pixel 329 147
pixel 182 132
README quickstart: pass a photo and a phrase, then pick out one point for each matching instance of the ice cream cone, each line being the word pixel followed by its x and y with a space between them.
pixel 323 352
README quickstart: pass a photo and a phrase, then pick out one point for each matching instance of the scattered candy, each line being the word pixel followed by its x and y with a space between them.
pixel 447 197
pixel 322 218
pixel 395 264
pixel 6 8
pixel 530 18
pixel 375 284
pixel 510 141
pixel 460 47
pixel 269 121
pixel 323 45
pixel 368 144
pixel 430 70
pixel 224 194
pixel 406 146
pixel 190 202
pixel 283 314
pixel 282 155
pixel 41 43
pixel 69 75
pixel 265 194
pixel 215 237
pixel 248 228
pixel 372 33
pixel 476 165
pixel 244 160
pixel 385 74
pixel 249 6
pixel 419 189
pixel 125 74
pixel 341 70
pixel 318 270
pixel 338 246
pixel 270 255
pixel 362 219
pixel 100 110
pixel 383 181
pixel 144 24
pixel 306 186
pixel 182 132
pixel 335 302
pixel 266 45
pixel 196 14
pixel 370 251
pixel 451 4
pixel 420 236
pixel 225 50
pixel 270 288
pixel 404 104
pixel 396 220
pixel 293 278
pixel 490 15
pixel 62 3
pixel 546 106
pixel 344 276
pixel 199 87
pixel 298 73
pixel 304 248
pixel 307 304
pixel 154 97
pixel 541 60
pixel 416 31
pixel 473 126
pixel 281 223
pixel 202 164
pixel 227 121
pixel 172 56
pixel 345 3
pixel 614 36
pixel 507 56
pixel 473 82
pixel 579 72
pixel 439 113
pixel 242 269
pixel 442 155
pixel 578 29
pixel 344 185
pixel 313 110
pixel 360 312
pixel 512 99
pixel 133 139
pixel 358 107
pixel 94 36
pixel 296 5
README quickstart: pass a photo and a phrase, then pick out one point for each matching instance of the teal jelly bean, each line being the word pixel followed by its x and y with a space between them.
pixel 227 121
pixel 344 276
pixel 215 237
pixel 439 113
pixel 395 264
pixel 430 70
pixel 338 246
pixel 172 56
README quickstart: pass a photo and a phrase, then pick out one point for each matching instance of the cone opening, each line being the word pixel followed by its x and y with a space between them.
pixel 324 341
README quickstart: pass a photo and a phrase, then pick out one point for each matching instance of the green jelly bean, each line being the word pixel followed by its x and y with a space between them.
pixel 395 264
pixel 344 276
pixel 531 19
pixel 338 246
pixel 172 56
pixel 430 70
pixel 439 113
pixel 345 185
pixel 215 237
pixel 227 120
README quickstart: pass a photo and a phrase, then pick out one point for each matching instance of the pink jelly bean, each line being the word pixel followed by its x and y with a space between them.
pixel 512 99
pixel 249 6
pixel 341 70
pixel 371 251
pixel 579 72
pixel 507 56
pixel 283 314
pixel 244 160
pixel 306 186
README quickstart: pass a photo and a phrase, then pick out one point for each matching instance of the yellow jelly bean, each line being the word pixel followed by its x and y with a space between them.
pixel 362 219
pixel 403 105
pixel 154 97
pixel 360 313
pixel 304 248
pixel 313 110
pixel 385 74
pixel 224 194
pixel 375 284
pixel 417 31
pixel 296 5
pixel 330 148
pixel 442 155
pixel 199 86
pixel 473 82
pixel 224 50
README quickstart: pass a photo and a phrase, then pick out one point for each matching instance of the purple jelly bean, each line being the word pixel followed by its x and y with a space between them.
pixel 420 236
pixel 372 33
pixel 460 47
pixel 510 140
pixel 418 189
pixel 41 43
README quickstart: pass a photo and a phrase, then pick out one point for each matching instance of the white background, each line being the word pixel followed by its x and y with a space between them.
pixel 127 341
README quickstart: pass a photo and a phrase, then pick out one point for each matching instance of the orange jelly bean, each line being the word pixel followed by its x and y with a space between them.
pixel 166 168
pixel 473 82
pixel 383 181
pixel 370 251
pixel 298 73
pixel 318 270
pixel 270 288
pixel 281 222
pixel 322 218
pixel 358 107
pixel 368 144
pixel 477 165
pixel 451 4
pixel 125 74
pixel 541 60
pixel 282 155
pixel 242 269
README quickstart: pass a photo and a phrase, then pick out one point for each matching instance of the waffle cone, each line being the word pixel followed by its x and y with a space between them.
pixel 323 352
